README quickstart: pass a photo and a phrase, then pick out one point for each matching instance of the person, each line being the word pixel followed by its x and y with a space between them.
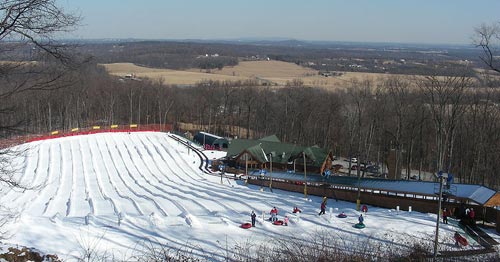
pixel 323 208
pixel 472 216
pixel 456 237
pixel 274 214
pixel 296 210
pixel 364 209
pixel 286 221
pixel 361 219
pixel 253 216
pixel 445 215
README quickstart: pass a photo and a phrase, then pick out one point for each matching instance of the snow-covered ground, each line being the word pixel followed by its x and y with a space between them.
pixel 116 191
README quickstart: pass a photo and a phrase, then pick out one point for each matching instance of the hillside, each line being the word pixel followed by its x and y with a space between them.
pixel 119 191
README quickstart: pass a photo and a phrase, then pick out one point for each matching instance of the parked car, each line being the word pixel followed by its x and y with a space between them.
pixel 337 166
pixel 373 169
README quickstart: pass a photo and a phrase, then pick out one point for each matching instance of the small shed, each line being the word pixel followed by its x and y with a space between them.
pixel 211 141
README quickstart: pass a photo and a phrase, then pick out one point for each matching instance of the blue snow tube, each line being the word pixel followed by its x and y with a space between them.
pixel 360 225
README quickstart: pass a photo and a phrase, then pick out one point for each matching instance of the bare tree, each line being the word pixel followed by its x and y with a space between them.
pixel 487 37
pixel 32 61
pixel 446 104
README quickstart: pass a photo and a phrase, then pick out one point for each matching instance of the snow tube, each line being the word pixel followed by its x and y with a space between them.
pixel 342 215
pixel 278 222
pixel 246 225
pixel 359 225
pixel 461 240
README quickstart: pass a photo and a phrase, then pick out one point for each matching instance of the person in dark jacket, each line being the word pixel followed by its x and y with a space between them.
pixel 253 216
pixel 472 216
pixel 323 208
pixel 445 215
pixel 361 219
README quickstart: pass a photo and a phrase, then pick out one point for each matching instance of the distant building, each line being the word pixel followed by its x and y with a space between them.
pixel 289 157
pixel 210 141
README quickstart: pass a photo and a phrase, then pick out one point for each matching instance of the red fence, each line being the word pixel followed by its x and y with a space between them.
pixel 84 131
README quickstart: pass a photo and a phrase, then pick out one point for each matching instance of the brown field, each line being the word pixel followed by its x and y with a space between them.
pixel 166 75
pixel 276 72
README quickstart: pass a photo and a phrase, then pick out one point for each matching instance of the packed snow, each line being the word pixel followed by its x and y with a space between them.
pixel 116 191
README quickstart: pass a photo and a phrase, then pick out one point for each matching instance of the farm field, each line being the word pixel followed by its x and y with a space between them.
pixel 275 72
pixel 120 190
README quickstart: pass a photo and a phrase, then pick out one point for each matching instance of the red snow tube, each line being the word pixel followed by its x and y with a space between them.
pixel 246 225
pixel 460 239
pixel 278 222
pixel 342 215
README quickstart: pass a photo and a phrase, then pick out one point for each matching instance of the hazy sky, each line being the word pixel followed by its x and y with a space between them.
pixel 417 21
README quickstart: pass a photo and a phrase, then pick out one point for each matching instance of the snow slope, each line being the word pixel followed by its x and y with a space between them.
pixel 114 191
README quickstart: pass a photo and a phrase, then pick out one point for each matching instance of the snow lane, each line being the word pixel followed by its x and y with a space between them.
pixel 99 205
pixel 110 184
pixel 147 204
pixel 54 170
pixel 60 203
pixel 37 206
pixel 16 199
pixel 79 205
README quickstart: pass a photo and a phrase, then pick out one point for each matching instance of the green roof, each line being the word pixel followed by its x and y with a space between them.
pixel 272 138
pixel 282 152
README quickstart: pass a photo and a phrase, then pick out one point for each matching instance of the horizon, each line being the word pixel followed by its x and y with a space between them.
pixel 386 21
pixel 257 40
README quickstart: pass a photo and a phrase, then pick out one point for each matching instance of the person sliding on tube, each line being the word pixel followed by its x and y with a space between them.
pixel 361 219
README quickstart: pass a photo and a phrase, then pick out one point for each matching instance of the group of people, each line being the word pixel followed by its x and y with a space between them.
pixel 466 215
pixel 274 213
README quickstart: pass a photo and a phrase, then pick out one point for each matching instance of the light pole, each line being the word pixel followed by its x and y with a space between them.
pixel 246 168
pixel 271 172
pixel 305 175
pixel 441 176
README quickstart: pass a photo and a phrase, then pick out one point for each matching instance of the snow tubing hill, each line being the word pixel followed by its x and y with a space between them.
pixel 359 225
pixel 246 225
pixel 278 222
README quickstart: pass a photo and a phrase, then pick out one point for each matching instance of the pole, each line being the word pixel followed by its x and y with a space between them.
pixel 246 168
pixel 437 219
pixel 271 173
pixel 305 175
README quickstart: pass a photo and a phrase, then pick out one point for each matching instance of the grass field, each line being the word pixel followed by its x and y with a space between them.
pixel 276 72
